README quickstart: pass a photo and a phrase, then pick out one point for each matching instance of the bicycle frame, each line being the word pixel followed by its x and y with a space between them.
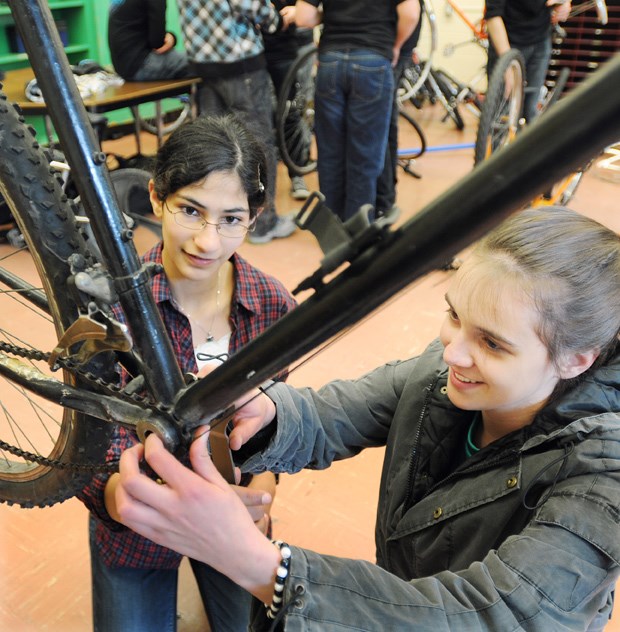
pixel 540 156
pixel 478 30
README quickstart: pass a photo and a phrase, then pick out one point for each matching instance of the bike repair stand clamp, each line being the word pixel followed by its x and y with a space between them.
pixel 340 241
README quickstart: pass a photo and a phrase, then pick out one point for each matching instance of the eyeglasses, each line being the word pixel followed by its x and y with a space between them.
pixel 227 226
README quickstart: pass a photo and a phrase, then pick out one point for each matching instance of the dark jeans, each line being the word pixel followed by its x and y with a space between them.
pixel 137 600
pixel 537 58
pixel 386 183
pixel 170 65
pixel 249 96
pixel 354 94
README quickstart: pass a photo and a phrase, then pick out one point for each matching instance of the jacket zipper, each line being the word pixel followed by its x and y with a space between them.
pixel 412 463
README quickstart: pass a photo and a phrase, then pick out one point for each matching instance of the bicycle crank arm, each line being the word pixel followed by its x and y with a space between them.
pixel 90 403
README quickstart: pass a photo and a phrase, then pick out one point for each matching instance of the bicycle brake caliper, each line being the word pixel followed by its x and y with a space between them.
pixel 96 337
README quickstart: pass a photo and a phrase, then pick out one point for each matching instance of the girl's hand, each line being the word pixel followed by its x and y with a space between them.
pixel 288 16
pixel 254 412
pixel 195 513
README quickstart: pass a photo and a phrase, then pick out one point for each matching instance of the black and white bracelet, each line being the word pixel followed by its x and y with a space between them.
pixel 281 575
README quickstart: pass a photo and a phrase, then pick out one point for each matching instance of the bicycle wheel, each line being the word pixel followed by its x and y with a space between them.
pixel 553 95
pixel 501 111
pixel 45 218
pixel 175 118
pixel 414 75
pixel 450 91
pixel 407 124
pixel 295 114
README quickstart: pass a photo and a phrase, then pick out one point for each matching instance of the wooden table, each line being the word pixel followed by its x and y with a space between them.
pixel 129 95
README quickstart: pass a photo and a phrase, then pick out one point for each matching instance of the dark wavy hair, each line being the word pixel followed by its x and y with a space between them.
pixel 209 144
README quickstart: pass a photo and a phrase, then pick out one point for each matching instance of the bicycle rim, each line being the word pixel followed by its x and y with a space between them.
pixel 295 114
pixel 555 93
pixel 178 118
pixel 501 111
pixel 45 219
pixel 415 75
pixel 407 123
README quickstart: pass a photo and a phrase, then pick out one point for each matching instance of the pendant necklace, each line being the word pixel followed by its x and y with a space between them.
pixel 209 335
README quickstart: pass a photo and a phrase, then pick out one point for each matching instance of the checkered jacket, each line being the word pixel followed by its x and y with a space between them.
pixel 226 31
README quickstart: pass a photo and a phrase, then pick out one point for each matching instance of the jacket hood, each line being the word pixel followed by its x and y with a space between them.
pixel 598 393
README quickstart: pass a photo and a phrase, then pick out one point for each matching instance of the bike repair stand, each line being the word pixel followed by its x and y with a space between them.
pixel 340 241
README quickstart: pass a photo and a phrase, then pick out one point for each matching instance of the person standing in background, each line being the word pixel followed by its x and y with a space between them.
pixel 140 46
pixel 526 26
pixel 225 48
pixel 354 92
pixel 386 184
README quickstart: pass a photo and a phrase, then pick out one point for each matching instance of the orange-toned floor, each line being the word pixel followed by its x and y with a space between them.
pixel 44 562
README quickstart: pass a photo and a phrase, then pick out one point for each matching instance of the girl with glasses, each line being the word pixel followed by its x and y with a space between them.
pixel 208 186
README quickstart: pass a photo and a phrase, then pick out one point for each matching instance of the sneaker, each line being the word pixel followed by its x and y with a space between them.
pixel 284 227
pixel 299 190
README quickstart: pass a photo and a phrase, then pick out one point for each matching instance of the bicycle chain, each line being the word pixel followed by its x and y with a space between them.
pixel 110 388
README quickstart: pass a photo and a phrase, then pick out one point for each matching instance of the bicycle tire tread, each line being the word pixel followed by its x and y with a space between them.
pixel 44 215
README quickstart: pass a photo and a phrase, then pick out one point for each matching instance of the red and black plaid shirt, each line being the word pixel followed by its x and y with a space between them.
pixel 259 300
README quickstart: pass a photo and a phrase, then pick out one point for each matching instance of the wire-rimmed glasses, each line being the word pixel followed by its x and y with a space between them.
pixel 227 226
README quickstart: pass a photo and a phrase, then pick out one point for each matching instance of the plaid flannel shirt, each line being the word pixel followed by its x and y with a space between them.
pixel 258 302
pixel 226 31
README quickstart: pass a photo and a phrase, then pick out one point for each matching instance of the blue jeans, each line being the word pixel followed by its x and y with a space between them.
pixel 142 600
pixel 354 92
pixel 248 95
pixel 170 65
pixel 537 58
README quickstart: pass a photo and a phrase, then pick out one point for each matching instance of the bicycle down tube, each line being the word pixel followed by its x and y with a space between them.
pixel 541 155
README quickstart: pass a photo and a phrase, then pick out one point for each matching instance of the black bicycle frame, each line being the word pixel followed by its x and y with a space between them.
pixel 575 131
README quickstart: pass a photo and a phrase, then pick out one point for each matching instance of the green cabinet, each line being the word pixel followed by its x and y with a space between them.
pixel 76 25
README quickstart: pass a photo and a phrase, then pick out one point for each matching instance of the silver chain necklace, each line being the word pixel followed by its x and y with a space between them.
pixel 209 335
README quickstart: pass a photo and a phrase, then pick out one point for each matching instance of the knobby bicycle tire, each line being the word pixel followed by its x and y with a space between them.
pixel 295 114
pixel 501 114
pixel 45 218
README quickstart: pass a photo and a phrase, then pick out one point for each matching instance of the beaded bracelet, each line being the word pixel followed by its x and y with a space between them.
pixel 281 575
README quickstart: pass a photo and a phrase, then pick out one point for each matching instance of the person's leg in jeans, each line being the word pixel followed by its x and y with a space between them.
pixel 227 605
pixel 370 86
pixel 386 183
pixel 129 599
pixel 249 96
pixel 170 65
pixel 537 58
pixel 330 104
